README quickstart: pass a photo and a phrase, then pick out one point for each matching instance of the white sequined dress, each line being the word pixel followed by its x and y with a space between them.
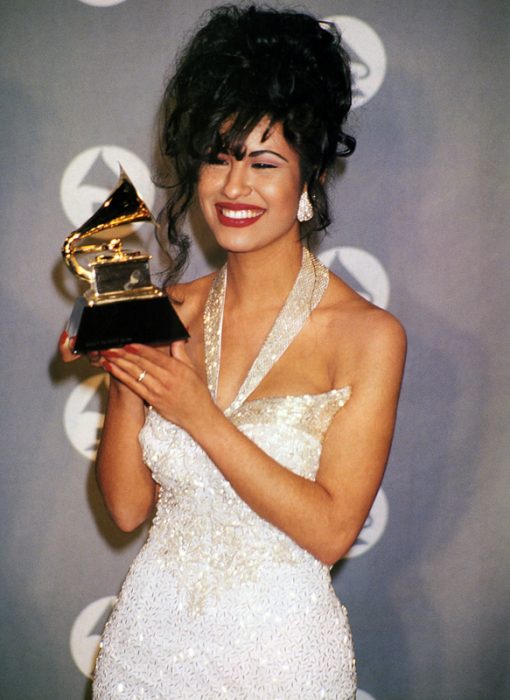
pixel 219 603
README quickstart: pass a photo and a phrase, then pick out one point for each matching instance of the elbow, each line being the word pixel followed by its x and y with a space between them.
pixel 333 547
pixel 129 519
pixel 329 555
pixel 127 524
pixel 129 514
pixel 329 559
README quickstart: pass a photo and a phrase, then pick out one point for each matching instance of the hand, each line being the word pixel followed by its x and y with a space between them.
pixel 66 346
pixel 167 380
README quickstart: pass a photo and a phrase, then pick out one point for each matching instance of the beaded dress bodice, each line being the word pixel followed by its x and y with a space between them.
pixel 222 568
pixel 212 520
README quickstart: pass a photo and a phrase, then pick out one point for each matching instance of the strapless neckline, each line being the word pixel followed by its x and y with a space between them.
pixel 311 396
pixel 306 293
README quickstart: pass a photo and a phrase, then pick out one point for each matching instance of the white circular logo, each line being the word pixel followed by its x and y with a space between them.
pixel 363 695
pixel 361 270
pixel 102 3
pixel 86 634
pixel 84 414
pixel 90 177
pixel 373 528
pixel 368 57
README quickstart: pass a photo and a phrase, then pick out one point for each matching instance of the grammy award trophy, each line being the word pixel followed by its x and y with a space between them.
pixel 121 305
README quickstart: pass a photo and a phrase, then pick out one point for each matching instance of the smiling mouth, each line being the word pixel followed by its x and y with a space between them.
pixel 242 214
pixel 238 214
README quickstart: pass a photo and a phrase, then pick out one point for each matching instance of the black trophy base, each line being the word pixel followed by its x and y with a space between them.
pixel 151 321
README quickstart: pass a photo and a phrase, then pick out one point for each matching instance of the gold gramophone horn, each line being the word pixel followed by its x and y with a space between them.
pixel 123 206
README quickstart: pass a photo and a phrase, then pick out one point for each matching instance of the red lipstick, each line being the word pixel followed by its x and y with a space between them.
pixel 238 214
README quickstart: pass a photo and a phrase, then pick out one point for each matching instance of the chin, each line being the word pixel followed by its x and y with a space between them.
pixel 239 241
pixel 248 240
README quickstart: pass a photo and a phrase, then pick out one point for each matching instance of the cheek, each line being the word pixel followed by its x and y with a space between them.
pixel 202 187
pixel 285 189
pixel 286 197
pixel 205 188
pixel 209 179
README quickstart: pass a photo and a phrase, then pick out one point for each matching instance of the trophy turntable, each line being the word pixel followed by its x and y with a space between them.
pixel 121 305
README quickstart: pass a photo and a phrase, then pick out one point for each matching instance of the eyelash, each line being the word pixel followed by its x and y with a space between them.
pixel 218 160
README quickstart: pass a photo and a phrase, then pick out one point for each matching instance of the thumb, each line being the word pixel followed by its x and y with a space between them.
pixel 178 351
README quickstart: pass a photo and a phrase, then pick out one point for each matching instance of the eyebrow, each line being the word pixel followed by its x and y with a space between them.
pixel 262 152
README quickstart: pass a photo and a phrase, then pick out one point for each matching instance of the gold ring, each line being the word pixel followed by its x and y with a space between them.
pixel 141 376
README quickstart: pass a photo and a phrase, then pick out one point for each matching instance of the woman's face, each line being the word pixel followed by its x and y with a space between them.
pixel 252 202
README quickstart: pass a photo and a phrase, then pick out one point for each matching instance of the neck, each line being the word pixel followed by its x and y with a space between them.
pixel 264 277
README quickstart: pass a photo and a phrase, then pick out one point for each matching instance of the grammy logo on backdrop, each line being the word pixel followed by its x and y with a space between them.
pixel 121 305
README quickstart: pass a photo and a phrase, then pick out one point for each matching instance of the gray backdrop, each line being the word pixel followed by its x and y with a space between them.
pixel 420 227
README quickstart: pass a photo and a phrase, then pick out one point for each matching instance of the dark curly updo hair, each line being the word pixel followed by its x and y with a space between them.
pixel 244 64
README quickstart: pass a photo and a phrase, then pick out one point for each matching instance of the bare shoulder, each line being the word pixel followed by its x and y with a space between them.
pixel 189 297
pixel 363 337
pixel 379 331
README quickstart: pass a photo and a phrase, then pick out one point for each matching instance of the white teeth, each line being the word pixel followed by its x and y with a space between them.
pixel 240 213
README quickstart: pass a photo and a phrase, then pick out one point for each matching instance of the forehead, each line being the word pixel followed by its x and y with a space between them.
pixel 265 132
pixel 267 136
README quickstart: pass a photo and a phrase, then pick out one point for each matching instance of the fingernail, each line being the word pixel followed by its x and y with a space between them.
pixel 106 365
pixel 63 338
pixel 109 353
pixel 132 349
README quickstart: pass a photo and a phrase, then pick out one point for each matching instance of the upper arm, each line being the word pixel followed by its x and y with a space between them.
pixel 357 443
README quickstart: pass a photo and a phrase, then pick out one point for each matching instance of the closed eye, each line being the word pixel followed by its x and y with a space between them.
pixel 263 166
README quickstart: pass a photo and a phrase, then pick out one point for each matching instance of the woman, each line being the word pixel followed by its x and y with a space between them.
pixel 261 482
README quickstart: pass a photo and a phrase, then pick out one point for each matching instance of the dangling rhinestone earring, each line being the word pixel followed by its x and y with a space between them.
pixel 305 208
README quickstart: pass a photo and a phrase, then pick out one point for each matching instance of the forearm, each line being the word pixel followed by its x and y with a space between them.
pixel 323 516
pixel 301 508
pixel 125 482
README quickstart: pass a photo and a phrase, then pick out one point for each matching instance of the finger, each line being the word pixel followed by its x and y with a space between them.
pixel 127 367
pixel 152 359
pixel 134 359
pixel 179 352
pixel 137 367
pixel 146 353
pixel 126 361
pixel 140 388
pixel 65 346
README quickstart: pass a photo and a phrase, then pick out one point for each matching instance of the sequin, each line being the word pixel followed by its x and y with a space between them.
pixel 219 603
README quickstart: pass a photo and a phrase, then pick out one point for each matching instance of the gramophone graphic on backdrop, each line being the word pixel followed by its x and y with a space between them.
pixel 122 305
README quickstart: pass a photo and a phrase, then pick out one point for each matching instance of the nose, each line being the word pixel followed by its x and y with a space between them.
pixel 237 180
